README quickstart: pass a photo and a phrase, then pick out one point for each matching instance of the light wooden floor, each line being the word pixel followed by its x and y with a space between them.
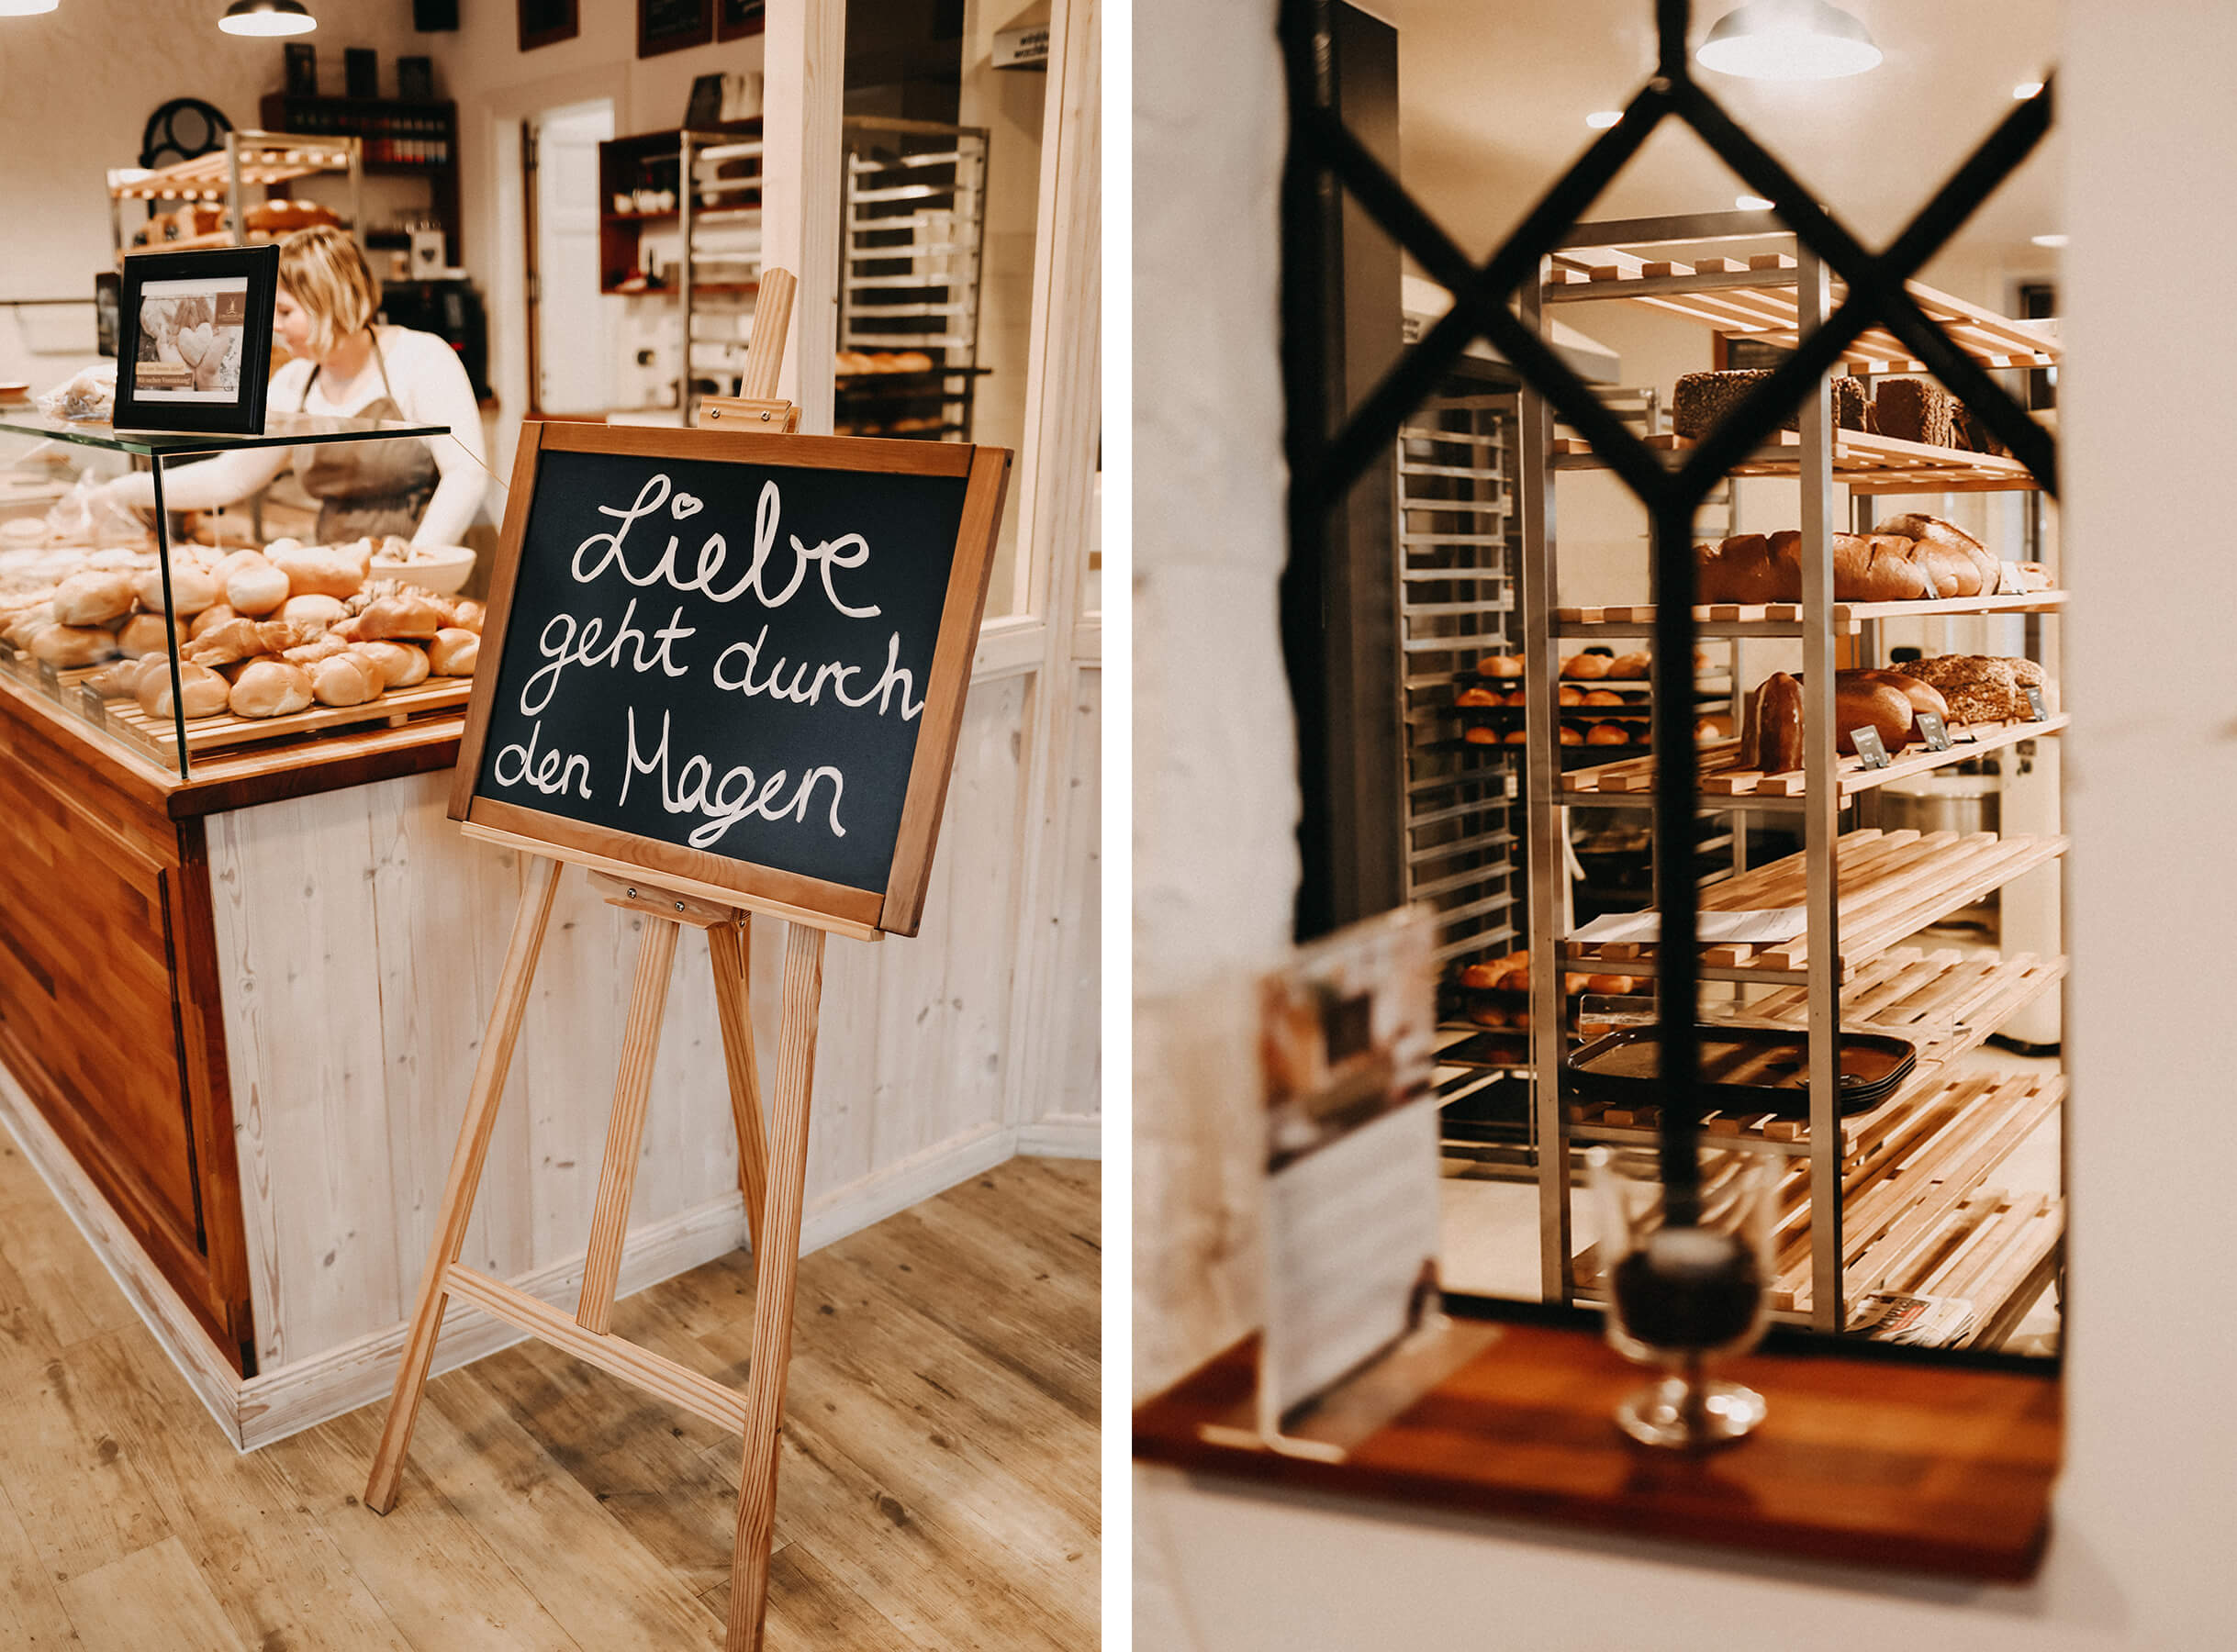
pixel 939 1489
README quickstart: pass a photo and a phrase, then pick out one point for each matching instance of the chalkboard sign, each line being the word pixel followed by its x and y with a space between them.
pixel 735 663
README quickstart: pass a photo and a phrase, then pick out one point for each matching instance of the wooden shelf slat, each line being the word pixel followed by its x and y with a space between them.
pixel 1725 784
pixel 1784 619
pixel 1862 461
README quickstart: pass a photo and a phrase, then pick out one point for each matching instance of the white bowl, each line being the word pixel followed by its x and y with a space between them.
pixel 438 568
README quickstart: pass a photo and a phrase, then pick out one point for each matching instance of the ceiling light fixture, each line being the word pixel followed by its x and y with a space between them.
pixel 1753 204
pixel 267 18
pixel 1601 120
pixel 25 9
pixel 1788 39
pixel 2048 241
pixel 2027 89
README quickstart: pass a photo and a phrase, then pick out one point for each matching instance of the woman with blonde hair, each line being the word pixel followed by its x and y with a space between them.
pixel 423 489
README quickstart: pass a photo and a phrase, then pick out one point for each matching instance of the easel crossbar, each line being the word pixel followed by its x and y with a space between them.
pixel 657 1375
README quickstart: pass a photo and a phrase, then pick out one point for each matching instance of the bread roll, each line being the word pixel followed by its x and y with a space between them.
pixel 209 619
pixel 1631 665
pixel 1771 737
pixel 1569 695
pixel 1479 975
pixel 1519 697
pixel 92 598
pixel 1481 734
pixel 1607 733
pixel 323 609
pixel 320 570
pixel 208 693
pixel 1500 666
pixel 1952 541
pixel 256 590
pixel 1515 737
pixel 1604 697
pixel 1571 735
pixel 405 615
pixel 1923 697
pixel 345 679
pixel 1859 703
pixel 192 589
pixel 1488 1015
pixel 453 652
pixel 119 681
pixel 462 613
pixel 1586 667
pixel 399 664
pixel 225 567
pixel 1613 986
pixel 70 646
pixel 144 634
pixel 1471 698
pixel 270 689
pixel 1705 733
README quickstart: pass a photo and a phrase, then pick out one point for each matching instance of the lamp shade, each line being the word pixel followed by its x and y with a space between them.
pixel 267 18
pixel 25 9
pixel 1788 39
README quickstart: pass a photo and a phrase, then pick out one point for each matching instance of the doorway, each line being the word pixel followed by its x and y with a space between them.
pixel 571 325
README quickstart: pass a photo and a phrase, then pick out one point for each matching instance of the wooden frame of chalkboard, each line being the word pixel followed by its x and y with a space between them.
pixel 897 907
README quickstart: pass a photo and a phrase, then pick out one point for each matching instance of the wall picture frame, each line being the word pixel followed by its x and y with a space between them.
pixel 194 340
pixel 302 69
pixel 547 22
pixel 415 80
pixel 735 19
pixel 666 26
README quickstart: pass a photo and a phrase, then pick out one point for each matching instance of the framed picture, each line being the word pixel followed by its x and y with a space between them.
pixel 302 69
pixel 706 107
pixel 416 80
pixel 548 22
pixel 673 24
pixel 734 19
pixel 194 340
pixel 360 71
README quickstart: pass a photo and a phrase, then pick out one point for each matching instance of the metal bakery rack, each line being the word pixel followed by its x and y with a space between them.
pixel 247 158
pixel 1906 1197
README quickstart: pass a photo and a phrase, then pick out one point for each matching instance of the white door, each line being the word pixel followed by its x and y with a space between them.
pixel 574 323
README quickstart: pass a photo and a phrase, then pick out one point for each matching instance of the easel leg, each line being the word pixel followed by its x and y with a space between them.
pixel 505 1018
pixel 648 1000
pixel 776 1258
pixel 732 947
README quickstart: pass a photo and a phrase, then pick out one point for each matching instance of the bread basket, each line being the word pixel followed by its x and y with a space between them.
pixel 442 569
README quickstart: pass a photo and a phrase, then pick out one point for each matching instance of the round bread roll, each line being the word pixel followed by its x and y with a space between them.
pixel 119 681
pixel 209 619
pixel 1500 666
pixel 68 647
pixel 1705 733
pixel 1607 733
pixel 91 598
pixel 1488 1015
pixel 1468 698
pixel 270 689
pixel 1570 695
pixel 462 613
pixel 317 606
pixel 226 566
pixel 206 693
pixel 1612 986
pixel 1604 697
pixel 408 614
pixel 1630 665
pixel 319 571
pixel 257 588
pixel 1571 735
pixel 1520 697
pixel 144 634
pixel 1515 737
pixel 1480 735
pixel 1479 975
pixel 192 589
pixel 1588 666
pixel 453 652
pixel 345 679
pixel 401 664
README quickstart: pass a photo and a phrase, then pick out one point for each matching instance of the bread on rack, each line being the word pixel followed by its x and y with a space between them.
pixel 1771 723
pixel 401 664
pixel 192 588
pixel 1569 694
pixel 1700 401
pixel 1604 697
pixel 345 679
pixel 1588 667
pixel 92 598
pixel 1571 735
pixel 143 634
pixel 1907 559
pixel 408 615
pixel 70 646
pixel 1469 700
pixel 1973 570
pixel 206 694
pixel 270 689
pixel 1915 409
pixel 1631 666
pixel 1500 666
pixel 1607 733
pixel 256 588
pixel 1981 687
pixel 1480 735
pixel 334 571
pixel 453 652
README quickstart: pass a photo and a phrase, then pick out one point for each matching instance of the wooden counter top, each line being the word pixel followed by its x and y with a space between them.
pixel 1915 1467
pixel 235 779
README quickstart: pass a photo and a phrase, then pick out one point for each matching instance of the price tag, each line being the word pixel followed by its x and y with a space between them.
pixel 1934 732
pixel 1868 747
pixel 2037 710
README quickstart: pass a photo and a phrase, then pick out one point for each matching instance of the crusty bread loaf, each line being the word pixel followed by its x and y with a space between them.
pixel 206 693
pixel 408 614
pixel 1607 733
pixel 92 598
pixel 1589 667
pixel 1630 666
pixel 1952 542
pixel 1468 699
pixel 1912 409
pixel 1571 735
pixel 1700 401
pixel 1480 735
pixel 1569 694
pixel 1770 731
pixel 70 646
pixel 1908 559
pixel 1500 666
pixel 192 589
pixel 1982 689
pixel 270 689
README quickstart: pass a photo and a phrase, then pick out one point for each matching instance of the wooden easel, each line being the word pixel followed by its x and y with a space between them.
pixel 772 1164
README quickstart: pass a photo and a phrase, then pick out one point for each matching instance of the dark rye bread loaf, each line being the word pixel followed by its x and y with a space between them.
pixel 1701 400
pixel 1911 410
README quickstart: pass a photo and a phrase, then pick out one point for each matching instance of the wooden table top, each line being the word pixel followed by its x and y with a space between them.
pixel 1913 1466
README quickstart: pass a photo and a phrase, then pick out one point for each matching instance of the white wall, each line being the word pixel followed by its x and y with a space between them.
pixel 77 85
pixel 2138 1558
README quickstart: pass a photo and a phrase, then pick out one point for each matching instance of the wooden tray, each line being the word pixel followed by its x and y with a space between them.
pixel 1722 775
pixel 1638 619
pixel 156 735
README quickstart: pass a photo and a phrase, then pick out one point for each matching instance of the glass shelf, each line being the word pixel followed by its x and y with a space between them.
pixel 281 429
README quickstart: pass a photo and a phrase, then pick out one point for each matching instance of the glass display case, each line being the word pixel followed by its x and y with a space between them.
pixel 179 651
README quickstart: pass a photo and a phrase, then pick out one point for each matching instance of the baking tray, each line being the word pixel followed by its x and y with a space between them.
pixel 1750 1070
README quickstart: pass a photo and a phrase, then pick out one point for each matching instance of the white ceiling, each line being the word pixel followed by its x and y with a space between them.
pixel 1493 95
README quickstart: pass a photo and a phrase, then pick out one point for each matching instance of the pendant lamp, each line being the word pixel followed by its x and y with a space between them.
pixel 267 18
pixel 1788 39
pixel 25 9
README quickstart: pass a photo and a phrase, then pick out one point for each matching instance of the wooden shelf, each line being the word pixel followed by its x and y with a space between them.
pixel 158 737
pixel 1755 297
pixel 266 158
pixel 1784 619
pixel 1726 784
pixel 1862 462
pixel 1892 884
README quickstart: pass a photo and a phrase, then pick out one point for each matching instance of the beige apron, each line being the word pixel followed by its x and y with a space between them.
pixel 368 489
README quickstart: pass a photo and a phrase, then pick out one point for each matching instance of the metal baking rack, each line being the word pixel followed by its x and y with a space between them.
pixel 247 158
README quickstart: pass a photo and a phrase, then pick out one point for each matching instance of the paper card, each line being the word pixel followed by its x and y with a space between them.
pixel 1869 749
pixel 1934 732
pixel 1348 1042
pixel 2037 710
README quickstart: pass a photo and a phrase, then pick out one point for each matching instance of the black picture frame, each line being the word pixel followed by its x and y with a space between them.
pixel 673 24
pixel 705 109
pixel 142 407
pixel 547 22
pixel 735 19
pixel 360 71
pixel 415 80
pixel 302 69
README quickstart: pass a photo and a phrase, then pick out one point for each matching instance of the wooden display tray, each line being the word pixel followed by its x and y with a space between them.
pixel 1892 884
pixel 266 158
pixel 1722 775
pixel 1943 1002
pixel 157 736
pixel 1757 297
pixel 1785 617
pixel 1862 461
